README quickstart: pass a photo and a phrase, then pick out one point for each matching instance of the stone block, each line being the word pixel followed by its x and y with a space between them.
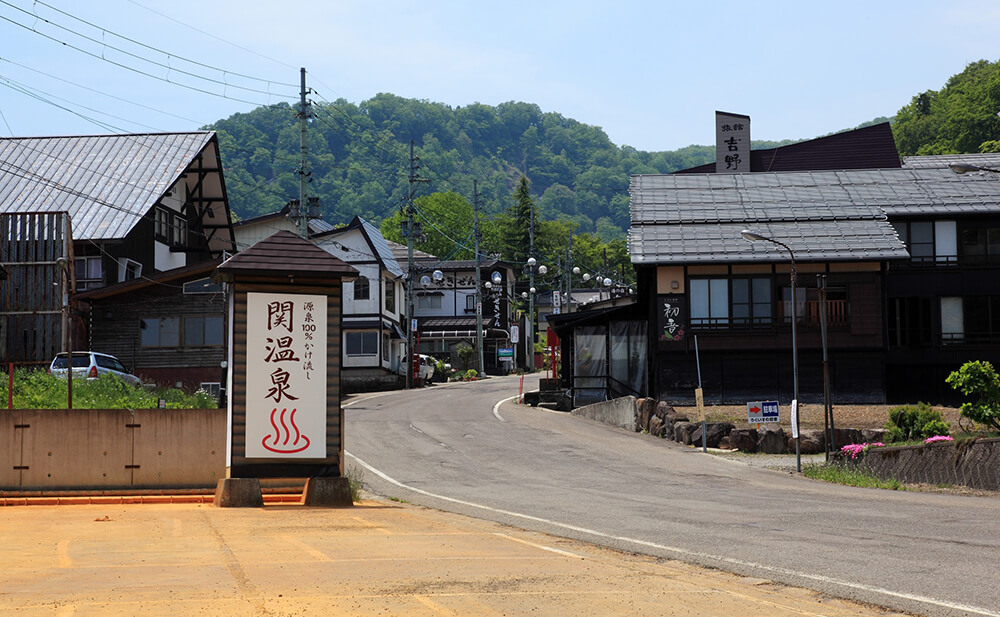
pixel 238 493
pixel 327 493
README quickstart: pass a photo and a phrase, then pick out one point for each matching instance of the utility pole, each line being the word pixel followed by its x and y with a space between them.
pixel 569 274
pixel 479 279
pixel 410 232
pixel 531 290
pixel 303 206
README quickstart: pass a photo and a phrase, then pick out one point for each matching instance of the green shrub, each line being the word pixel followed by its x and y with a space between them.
pixel 915 422
pixel 40 390
pixel 980 380
pixel 464 352
pixel 471 374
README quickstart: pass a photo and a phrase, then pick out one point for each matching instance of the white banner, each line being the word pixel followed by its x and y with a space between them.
pixel 286 376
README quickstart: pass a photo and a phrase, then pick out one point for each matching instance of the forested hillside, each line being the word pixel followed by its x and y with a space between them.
pixel 960 118
pixel 358 159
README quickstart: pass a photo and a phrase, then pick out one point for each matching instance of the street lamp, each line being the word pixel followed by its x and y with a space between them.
pixel 964 168
pixel 532 265
pixel 755 237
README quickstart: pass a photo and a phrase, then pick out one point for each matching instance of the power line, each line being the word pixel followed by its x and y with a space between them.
pixel 210 35
pixel 151 48
pixel 135 70
pixel 96 91
pixel 13 85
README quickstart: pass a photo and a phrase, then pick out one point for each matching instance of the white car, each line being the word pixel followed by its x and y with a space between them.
pixel 426 367
pixel 91 364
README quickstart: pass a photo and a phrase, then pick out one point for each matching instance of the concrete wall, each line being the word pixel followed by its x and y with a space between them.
pixel 620 412
pixel 972 463
pixel 52 449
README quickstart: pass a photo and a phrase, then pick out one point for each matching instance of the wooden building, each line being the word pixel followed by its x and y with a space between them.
pixel 909 278
pixel 139 204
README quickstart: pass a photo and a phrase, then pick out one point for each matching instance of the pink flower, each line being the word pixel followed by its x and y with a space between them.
pixel 937 438
pixel 855 449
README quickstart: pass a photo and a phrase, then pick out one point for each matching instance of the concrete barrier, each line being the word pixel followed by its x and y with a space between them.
pixel 93 449
pixel 974 463
pixel 620 412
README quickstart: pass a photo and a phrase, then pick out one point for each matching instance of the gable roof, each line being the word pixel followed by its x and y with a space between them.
pixel 375 240
pixel 871 147
pixel 822 216
pixel 285 254
pixel 105 182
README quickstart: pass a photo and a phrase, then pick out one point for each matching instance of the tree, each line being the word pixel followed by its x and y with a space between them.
pixel 446 220
pixel 979 379
pixel 522 218
pixel 959 118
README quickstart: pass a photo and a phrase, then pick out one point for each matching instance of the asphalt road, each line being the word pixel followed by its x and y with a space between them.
pixel 452 447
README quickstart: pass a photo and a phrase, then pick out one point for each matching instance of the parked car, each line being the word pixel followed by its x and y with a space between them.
pixel 91 364
pixel 426 364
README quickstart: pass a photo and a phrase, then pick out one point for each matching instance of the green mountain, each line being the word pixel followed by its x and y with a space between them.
pixel 359 159
pixel 960 118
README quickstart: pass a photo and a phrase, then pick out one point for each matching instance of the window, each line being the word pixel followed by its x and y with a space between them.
pixel 910 322
pixel 721 303
pixel 470 303
pixel 930 242
pixel 202 331
pixel 971 319
pixel 390 296
pixel 429 301
pixel 361 343
pixel 169 227
pixel 160 332
pixel 213 388
pixel 362 288
pixel 161 228
pixel 980 243
pixel 195 331
pixel 128 270
pixel 89 272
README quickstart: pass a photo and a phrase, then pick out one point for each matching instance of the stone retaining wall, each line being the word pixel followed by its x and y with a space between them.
pixel 973 462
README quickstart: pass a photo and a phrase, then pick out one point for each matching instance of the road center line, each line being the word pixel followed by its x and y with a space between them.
pixel 681 551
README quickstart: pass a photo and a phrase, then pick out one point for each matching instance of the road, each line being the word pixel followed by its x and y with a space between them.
pixel 452 447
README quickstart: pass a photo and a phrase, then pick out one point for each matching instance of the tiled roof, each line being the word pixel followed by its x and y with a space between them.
pixel 381 246
pixel 821 215
pixel 990 159
pixel 815 240
pixel 283 254
pixel 106 183
pixel 811 195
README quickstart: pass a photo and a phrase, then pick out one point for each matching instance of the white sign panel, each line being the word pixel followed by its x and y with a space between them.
pixel 732 143
pixel 795 419
pixel 762 411
pixel 515 334
pixel 286 376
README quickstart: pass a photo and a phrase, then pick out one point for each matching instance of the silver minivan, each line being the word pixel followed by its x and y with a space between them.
pixel 91 364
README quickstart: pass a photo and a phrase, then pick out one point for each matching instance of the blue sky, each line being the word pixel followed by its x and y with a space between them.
pixel 651 74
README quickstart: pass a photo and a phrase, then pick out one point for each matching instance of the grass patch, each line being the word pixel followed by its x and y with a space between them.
pixel 848 476
pixel 398 500
pixel 39 390
pixel 356 480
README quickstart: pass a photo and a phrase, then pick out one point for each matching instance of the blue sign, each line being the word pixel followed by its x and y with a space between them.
pixel 762 411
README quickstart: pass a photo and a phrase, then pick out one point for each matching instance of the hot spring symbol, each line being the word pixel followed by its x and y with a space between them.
pixel 288 431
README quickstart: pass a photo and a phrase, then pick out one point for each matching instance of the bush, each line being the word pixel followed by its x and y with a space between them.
pixel 915 422
pixel 471 375
pixel 464 352
pixel 40 390
pixel 978 379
